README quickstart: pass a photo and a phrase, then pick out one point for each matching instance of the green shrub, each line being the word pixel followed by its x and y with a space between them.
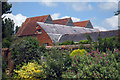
pixel 4 67
pixel 56 61
pixel 6 43
pixel 83 42
pixel 25 50
pixel 67 43
pixel 89 38
pixel 105 43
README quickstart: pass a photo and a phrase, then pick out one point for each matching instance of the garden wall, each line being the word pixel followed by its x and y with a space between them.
pixel 6 53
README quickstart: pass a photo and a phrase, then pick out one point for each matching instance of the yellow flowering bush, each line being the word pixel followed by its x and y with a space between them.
pixel 30 71
pixel 78 52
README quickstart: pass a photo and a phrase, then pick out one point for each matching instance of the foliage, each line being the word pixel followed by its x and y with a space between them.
pixel 95 65
pixel 67 43
pixel 82 47
pixel 105 43
pixel 30 71
pixel 56 62
pixel 7 32
pixel 25 49
pixel 6 43
pixel 4 67
pixel 6 7
pixel 89 38
pixel 17 29
pixel 88 41
pixel 83 42
pixel 78 52
pixel 73 43
pixel 118 39
pixel 7 26
pixel 117 12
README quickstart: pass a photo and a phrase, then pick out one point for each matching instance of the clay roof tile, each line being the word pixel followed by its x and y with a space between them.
pixel 61 21
pixel 28 27
pixel 81 23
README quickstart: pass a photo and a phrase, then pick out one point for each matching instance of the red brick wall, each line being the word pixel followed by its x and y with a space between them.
pixel 44 37
pixel 6 53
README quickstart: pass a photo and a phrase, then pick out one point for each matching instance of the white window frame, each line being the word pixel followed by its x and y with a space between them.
pixel 39 31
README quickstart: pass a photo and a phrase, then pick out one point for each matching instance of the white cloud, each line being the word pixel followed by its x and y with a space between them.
pixel 81 6
pixel 100 28
pixel 55 15
pixel 49 3
pixel 108 24
pixel 111 23
pixel 18 19
pixel 108 6
pixel 73 18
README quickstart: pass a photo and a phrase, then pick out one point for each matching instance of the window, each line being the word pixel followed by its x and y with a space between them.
pixel 75 31
pixel 37 26
pixel 46 44
pixel 39 31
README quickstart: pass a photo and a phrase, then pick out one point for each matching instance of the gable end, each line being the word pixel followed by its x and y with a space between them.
pixel 70 23
pixel 89 25
pixel 49 20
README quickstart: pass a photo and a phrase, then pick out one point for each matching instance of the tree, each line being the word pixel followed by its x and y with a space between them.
pixel 7 32
pixel 118 36
pixel 6 8
pixel 16 30
pixel 7 26
pixel 89 38
pixel 117 13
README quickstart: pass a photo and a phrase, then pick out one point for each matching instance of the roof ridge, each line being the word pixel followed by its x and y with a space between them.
pixel 39 16
pixel 109 30
pixel 61 19
pixel 81 21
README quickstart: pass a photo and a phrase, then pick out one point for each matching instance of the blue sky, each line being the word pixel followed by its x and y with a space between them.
pixel 101 14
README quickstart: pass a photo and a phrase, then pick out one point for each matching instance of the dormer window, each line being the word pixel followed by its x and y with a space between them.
pixel 37 26
pixel 39 31
pixel 46 44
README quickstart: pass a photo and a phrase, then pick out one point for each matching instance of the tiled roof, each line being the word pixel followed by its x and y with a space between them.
pixel 28 27
pixel 81 23
pixel 61 21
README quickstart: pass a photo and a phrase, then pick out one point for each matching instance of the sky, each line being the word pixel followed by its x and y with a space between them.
pixel 101 14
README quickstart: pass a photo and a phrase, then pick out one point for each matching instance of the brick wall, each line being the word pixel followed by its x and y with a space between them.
pixel 44 37
pixel 6 53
